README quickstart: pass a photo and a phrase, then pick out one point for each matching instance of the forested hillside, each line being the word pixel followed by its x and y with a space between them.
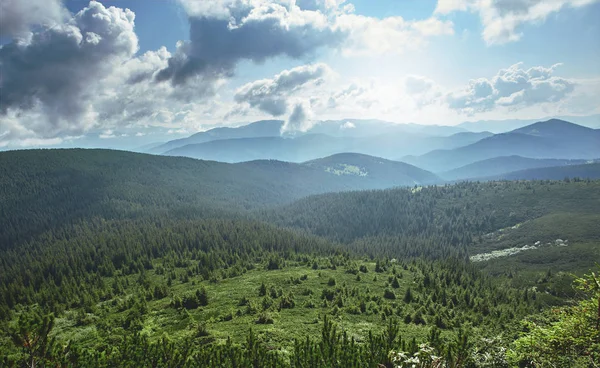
pixel 44 189
pixel 116 259
pixel 497 166
pixel 582 171
pixel 454 212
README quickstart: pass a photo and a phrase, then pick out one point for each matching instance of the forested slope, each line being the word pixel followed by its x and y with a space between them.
pixel 117 259
pixel 441 221
pixel 45 189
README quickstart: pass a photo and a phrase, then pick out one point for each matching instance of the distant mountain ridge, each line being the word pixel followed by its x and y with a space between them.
pixel 383 173
pixel 313 146
pixel 503 126
pixel 583 171
pixel 501 165
pixel 543 140
pixel 407 135
pixel 263 128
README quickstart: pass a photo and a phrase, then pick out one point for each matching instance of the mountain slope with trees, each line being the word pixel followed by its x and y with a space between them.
pixel 495 167
pixel 43 189
pixel 552 139
pixel 383 173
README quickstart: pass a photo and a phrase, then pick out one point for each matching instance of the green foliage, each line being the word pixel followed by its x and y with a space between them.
pixel 159 262
pixel 31 335
pixel 565 337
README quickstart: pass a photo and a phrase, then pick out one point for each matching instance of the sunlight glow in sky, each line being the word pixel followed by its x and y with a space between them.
pixel 163 69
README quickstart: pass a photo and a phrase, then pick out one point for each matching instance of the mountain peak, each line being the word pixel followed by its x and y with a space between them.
pixel 552 127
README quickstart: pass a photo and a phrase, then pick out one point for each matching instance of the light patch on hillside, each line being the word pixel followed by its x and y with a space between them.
pixel 344 169
pixel 512 251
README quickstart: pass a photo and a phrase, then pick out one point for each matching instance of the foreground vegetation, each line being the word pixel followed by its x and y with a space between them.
pixel 180 276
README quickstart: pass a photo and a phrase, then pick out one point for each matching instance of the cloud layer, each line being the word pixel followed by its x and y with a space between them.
pixel 514 87
pixel 62 63
pixel 223 33
pixel 271 95
pixel 502 19
pixel 18 16
pixel 63 75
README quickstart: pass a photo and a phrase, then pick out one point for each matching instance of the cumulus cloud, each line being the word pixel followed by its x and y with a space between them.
pixel 18 16
pixel 347 125
pixel 271 95
pixel 107 134
pixel 503 18
pixel 514 87
pixel 223 33
pixel 300 120
pixel 53 73
pixel 388 35
pixel 356 94
pixel 423 90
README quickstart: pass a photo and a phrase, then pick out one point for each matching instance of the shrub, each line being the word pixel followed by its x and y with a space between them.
pixel 265 319
pixel 388 294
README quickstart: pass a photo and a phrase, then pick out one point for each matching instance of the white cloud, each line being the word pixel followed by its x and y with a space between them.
pixel 356 94
pixel 107 134
pixel 367 35
pixel 271 95
pixel 223 33
pixel 502 19
pixel 423 90
pixel 300 120
pixel 18 16
pixel 514 87
pixel 52 76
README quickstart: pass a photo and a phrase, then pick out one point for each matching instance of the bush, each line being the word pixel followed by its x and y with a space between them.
pixel 388 294
pixel 265 319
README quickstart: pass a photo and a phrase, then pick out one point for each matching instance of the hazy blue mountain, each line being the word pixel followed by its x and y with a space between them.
pixel 378 137
pixel 550 139
pixel 312 146
pixel 583 171
pixel 373 127
pixel 381 172
pixel 351 127
pixel 293 149
pixel 435 130
pixel 502 165
pixel 503 126
pixel 264 128
pixel 147 147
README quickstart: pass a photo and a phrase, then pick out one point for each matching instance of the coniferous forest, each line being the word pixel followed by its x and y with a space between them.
pixel 115 259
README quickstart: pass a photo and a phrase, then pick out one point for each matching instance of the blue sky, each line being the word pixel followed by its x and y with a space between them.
pixel 152 70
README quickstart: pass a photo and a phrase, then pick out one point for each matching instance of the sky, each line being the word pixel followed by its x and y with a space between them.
pixel 144 71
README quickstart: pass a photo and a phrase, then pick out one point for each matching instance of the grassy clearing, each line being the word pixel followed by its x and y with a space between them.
pixel 235 306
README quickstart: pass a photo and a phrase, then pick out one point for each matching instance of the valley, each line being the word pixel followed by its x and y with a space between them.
pixel 210 263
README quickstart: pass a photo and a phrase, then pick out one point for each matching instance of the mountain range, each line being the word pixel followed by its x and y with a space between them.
pixel 105 181
pixel 312 146
pixel 543 140
pixel 583 171
pixel 503 126
pixel 348 128
pixel 505 164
